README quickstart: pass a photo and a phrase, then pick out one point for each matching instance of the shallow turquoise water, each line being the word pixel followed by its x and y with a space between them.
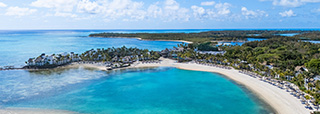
pixel 156 90
pixel 289 34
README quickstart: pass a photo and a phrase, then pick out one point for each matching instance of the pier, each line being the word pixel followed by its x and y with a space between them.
pixel 9 68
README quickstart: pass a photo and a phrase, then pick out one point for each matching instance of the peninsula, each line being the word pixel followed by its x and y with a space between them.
pixel 209 36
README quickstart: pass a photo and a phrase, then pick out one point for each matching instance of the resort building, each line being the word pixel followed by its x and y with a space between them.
pixel 53 60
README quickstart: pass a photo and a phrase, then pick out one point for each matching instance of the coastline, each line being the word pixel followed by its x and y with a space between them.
pixel 279 100
pixel 189 42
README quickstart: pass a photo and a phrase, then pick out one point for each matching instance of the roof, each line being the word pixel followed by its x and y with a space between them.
pixel 317 77
pixel 300 68
pixel 38 59
pixel 30 60
pixel 115 58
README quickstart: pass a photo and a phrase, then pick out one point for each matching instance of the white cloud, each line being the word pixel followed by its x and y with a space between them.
pixel 61 14
pixel 220 11
pixel 123 8
pixel 198 12
pixel 252 14
pixel 58 5
pixel 17 11
pixel 110 9
pixel 223 8
pixel 291 3
pixel 288 13
pixel 173 11
pixel 288 3
pixel 131 10
pixel 168 10
pixel 311 1
pixel 208 3
pixel 171 5
pixel 154 10
pixel 2 4
pixel 88 7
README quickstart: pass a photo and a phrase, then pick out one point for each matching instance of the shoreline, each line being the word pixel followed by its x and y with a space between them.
pixel 278 99
pixel 189 42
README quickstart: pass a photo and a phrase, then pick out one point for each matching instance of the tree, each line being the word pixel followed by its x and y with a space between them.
pixel 314 65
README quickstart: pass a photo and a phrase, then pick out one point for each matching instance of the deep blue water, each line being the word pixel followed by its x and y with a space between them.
pixel 154 90
pixel 18 46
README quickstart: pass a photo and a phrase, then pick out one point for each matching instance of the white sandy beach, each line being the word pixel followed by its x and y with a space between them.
pixel 167 40
pixel 155 40
pixel 279 99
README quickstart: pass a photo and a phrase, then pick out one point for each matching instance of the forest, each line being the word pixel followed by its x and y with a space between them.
pixel 225 35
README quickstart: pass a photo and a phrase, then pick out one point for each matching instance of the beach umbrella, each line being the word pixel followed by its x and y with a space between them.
pixel 293 93
pixel 308 105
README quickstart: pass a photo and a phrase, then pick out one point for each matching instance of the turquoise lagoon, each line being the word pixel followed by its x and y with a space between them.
pixel 152 90
pixel 155 90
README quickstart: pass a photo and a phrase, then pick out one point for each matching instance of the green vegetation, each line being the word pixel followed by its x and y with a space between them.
pixel 285 55
pixel 310 35
pixel 285 58
pixel 316 112
pixel 314 65
pixel 227 35
pixel 307 97
pixel 207 46
pixel 282 53
pixel 122 54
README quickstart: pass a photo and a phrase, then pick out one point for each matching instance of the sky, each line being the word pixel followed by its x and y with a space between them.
pixel 159 14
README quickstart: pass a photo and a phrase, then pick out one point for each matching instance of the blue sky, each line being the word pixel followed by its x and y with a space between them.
pixel 159 14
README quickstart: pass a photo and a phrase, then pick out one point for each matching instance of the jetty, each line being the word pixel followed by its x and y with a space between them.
pixel 9 68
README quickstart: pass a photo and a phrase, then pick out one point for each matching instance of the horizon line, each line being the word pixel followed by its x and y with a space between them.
pixel 293 28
